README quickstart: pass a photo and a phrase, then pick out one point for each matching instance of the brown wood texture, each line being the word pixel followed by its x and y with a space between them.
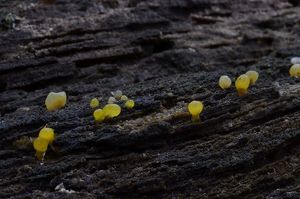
pixel 162 54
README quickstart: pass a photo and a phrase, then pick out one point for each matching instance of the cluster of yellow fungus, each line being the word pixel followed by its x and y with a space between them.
pixel 40 144
pixel 109 111
pixel 243 82
pixel 94 103
pixel 56 101
pixel 195 108
pixel 224 82
pixel 295 71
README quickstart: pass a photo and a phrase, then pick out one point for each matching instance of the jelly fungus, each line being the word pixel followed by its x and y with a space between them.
pixel 94 103
pixel 112 110
pixel 40 145
pixel 111 100
pixel 124 98
pixel 253 76
pixel 99 115
pixel 295 70
pixel 117 94
pixel 55 101
pixel 242 84
pixel 224 82
pixel 47 134
pixel 129 104
pixel 295 60
pixel 195 108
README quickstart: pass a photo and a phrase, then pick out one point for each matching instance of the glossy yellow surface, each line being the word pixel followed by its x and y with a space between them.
pixel 242 84
pixel 47 134
pixel 195 108
pixel 112 110
pixel 99 115
pixel 55 101
pixel 295 70
pixel 129 104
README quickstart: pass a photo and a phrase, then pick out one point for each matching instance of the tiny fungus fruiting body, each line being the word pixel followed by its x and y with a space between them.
pixel 253 76
pixel 124 98
pixel 224 82
pixel 111 100
pixel 129 104
pixel 295 60
pixel 94 103
pixel 56 101
pixel 242 84
pixel 295 70
pixel 112 110
pixel 47 134
pixel 117 94
pixel 40 145
pixel 195 108
pixel 99 115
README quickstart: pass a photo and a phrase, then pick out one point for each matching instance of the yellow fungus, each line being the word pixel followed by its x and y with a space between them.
pixel 55 101
pixel 99 115
pixel 195 108
pixel 295 70
pixel 129 104
pixel 124 98
pixel 94 103
pixel 253 76
pixel 111 100
pixel 112 110
pixel 224 82
pixel 47 134
pixel 40 144
pixel 117 94
pixel 242 84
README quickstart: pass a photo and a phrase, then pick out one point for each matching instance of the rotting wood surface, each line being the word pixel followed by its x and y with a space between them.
pixel 163 54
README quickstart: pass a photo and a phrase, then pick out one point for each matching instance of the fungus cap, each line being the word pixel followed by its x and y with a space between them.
pixel 40 144
pixel 117 94
pixel 94 103
pixel 47 134
pixel 124 98
pixel 224 82
pixel 242 84
pixel 112 110
pixel 253 76
pixel 56 101
pixel 99 115
pixel 195 107
pixel 129 104
pixel 111 100
pixel 295 70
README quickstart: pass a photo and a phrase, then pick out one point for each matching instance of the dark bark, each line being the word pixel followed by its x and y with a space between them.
pixel 163 54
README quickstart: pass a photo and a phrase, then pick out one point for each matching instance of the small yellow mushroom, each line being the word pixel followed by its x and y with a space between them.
pixel 295 71
pixel 242 84
pixel 195 108
pixel 99 115
pixel 94 103
pixel 224 82
pixel 117 94
pixel 55 101
pixel 112 110
pixel 253 76
pixel 129 104
pixel 111 100
pixel 124 98
pixel 47 134
pixel 40 145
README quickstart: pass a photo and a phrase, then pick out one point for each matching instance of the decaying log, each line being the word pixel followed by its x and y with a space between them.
pixel 162 54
